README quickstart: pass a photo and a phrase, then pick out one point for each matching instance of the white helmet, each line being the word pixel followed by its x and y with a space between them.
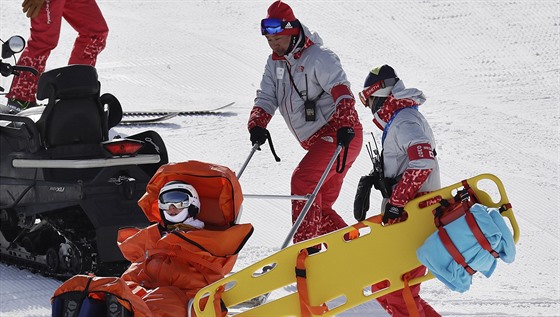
pixel 181 195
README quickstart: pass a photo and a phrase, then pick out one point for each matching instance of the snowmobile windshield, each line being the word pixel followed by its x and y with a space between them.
pixel 275 26
pixel 180 198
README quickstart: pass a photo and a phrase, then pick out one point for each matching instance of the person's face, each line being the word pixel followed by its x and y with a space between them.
pixel 369 102
pixel 278 43
pixel 172 211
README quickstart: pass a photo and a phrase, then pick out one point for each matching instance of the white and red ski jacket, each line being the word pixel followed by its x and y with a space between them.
pixel 318 75
pixel 408 146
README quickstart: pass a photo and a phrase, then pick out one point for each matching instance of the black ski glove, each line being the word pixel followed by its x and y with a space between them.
pixel 258 135
pixel 344 135
pixel 392 214
pixel 361 201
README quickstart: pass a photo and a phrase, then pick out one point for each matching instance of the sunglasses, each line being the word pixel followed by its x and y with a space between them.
pixel 369 91
pixel 178 198
pixel 275 26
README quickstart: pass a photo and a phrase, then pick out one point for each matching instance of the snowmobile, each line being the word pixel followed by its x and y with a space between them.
pixel 66 187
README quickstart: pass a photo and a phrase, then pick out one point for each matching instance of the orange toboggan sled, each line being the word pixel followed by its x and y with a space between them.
pixel 340 277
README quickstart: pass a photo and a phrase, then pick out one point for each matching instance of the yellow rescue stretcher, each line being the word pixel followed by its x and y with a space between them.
pixel 352 259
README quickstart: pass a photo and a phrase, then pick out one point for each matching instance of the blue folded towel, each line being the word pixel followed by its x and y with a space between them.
pixel 437 259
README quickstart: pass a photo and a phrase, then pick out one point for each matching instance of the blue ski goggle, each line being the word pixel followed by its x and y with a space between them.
pixel 275 26
pixel 178 198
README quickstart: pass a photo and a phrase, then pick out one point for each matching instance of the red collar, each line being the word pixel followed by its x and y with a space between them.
pixel 390 106
pixel 297 55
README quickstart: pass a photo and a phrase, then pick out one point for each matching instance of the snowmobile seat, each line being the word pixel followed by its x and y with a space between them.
pixel 74 113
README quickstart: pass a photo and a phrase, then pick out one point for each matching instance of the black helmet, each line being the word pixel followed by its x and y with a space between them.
pixel 380 81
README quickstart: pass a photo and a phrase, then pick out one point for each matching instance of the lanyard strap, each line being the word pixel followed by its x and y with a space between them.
pixel 306 87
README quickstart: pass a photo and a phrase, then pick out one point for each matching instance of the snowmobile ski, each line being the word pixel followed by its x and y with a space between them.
pixel 325 285
pixel 213 111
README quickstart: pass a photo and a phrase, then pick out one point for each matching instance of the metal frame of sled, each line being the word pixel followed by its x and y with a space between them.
pixel 341 275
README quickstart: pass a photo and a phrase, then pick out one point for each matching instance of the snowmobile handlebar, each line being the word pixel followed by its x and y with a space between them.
pixel 12 46
pixel 8 70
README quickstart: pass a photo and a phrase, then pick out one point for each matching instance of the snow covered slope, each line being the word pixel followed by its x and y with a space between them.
pixel 490 70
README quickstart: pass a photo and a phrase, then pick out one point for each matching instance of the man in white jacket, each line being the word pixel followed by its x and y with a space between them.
pixel 409 162
pixel 306 83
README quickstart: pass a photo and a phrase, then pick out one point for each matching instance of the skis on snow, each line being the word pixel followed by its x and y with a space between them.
pixel 142 117
pixel 150 119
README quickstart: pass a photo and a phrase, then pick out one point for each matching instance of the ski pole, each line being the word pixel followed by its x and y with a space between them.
pixel 309 202
pixel 259 300
pixel 253 150
pixel 290 197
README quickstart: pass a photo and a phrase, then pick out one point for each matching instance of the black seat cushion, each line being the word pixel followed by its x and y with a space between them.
pixel 74 113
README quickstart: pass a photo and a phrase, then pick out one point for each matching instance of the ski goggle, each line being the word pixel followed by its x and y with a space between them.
pixel 369 91
pixel 275 26
pixel 178 198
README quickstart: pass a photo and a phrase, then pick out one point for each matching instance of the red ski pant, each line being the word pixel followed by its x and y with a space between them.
pixel 321 217
pixel 84 16
pixel 394 302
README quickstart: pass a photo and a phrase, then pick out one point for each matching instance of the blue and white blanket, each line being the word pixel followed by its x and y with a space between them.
pixel 437 259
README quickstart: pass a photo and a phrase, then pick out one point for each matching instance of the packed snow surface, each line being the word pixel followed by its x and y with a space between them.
pixel 490 70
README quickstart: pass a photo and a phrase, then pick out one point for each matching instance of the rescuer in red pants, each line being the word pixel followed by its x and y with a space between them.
pixel 46 19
